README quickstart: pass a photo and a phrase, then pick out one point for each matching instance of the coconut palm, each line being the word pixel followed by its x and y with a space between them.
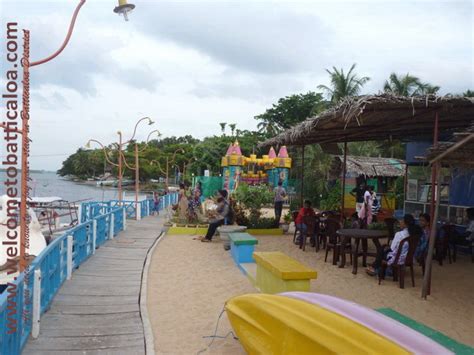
pixel 427 89
pixel 404 86
pixel 232 128
pixel 268 128
pixel 223 124
pixel 342 84
pixel 468 93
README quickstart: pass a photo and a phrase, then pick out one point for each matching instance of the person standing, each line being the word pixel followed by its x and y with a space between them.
pixel 358 193
pixel 365 214
pixel 182 203
pixel 156 204
pixel 280 196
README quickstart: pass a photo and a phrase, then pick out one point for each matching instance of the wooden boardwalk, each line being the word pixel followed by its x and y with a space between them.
pixel 98 310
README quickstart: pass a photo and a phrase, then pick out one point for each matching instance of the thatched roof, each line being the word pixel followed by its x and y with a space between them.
pixel 368 166
pixel 380 117
pixel 459 152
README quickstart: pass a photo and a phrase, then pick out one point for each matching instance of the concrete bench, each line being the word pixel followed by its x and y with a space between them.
pixel 277 272
pixel 241 247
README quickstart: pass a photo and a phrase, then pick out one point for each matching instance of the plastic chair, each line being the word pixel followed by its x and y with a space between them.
pixel 333 242
pixel 312 224
pixel 399 269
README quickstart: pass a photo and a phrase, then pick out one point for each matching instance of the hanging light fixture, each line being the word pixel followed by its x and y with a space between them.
pixel 124 8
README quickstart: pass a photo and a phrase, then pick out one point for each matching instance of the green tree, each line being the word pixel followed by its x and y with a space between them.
pixel 343 85
pixel 468 93
pixel 408 85
pixel 427 89
pixel 402 85
pixel 289 111
pixel 232 128
pixel 223 124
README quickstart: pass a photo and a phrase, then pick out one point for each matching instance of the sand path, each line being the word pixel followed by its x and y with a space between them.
pixel 190 281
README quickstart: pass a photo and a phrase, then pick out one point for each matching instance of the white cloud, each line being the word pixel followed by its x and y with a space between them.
pixel 191 65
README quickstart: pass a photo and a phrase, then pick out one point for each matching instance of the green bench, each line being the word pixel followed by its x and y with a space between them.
pixel 277 272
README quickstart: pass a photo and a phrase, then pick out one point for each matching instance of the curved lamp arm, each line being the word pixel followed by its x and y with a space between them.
pixel 159 166
pixel 150 122
pixel 125 161
pixel 148 139
pixel 104 149
pixel 176 151
pixel 66 40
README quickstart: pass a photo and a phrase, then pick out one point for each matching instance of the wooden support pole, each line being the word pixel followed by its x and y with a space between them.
pixel 434 219
pixel 302 177
pixel 434 166
pixel 434 209
pixel 343 189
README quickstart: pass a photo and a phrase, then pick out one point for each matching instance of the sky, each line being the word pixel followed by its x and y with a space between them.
pixel 192 64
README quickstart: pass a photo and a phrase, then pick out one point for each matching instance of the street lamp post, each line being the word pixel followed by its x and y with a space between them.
pixel 123 8
pixel 120 145
pixel 168 162
pixel 137 171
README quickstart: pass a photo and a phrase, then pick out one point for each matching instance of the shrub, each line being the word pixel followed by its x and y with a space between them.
pixel 253 198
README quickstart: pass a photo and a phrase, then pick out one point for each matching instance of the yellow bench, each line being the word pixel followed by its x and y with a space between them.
pixel 277 272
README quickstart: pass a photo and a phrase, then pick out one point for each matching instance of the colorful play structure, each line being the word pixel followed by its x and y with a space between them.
pixel 270 169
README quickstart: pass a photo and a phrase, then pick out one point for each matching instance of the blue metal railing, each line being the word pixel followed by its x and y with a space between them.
pixel 16 302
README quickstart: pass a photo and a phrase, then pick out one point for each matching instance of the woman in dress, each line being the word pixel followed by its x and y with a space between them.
pixel 365 213
pixel 183 203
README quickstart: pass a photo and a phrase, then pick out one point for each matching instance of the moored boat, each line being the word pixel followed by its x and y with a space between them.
pixel 285 324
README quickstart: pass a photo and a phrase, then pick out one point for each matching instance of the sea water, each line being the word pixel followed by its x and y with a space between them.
pixel 48 184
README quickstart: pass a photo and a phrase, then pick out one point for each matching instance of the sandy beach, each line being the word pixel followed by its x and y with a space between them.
pixel 190 281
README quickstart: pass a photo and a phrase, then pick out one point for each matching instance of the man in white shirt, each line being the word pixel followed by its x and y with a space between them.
pixel 388 254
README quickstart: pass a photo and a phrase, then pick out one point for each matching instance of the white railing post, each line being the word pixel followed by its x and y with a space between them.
pixel 69 256
pixel 112 221
pixel 138 211
pixel 124 219
pixel 94 235
pixel 79 214
pixel 36 316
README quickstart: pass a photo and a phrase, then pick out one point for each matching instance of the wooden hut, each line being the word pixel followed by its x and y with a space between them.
pixel 380 173
pixel 386 117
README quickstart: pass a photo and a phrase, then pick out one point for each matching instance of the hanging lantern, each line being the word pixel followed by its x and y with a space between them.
pixel 124 8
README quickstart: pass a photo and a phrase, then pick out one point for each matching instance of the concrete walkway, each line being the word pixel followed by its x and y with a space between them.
pixel 98 311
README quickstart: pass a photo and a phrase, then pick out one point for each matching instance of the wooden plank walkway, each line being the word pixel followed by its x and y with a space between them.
pixel 98 311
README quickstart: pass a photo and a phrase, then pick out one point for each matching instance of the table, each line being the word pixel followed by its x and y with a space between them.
pixel 360 235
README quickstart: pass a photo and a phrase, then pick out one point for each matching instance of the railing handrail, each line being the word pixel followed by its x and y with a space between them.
pixel 59 269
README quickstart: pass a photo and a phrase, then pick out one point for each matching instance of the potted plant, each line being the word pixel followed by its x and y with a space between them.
pixel 285 226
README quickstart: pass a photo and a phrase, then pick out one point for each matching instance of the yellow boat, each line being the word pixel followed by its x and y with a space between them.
pixel 272 324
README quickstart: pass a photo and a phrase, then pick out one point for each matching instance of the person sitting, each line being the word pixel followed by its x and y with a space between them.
pixel 388 253
pixel 222 213
pixel 422 248
pixel 306 210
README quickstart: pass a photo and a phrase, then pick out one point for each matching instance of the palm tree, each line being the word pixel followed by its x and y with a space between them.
pixel 268 128
pixel 232 128
pixel 404 86
pixel 427 89
pixel 468 93
pixel 342 84
pixel 223 124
